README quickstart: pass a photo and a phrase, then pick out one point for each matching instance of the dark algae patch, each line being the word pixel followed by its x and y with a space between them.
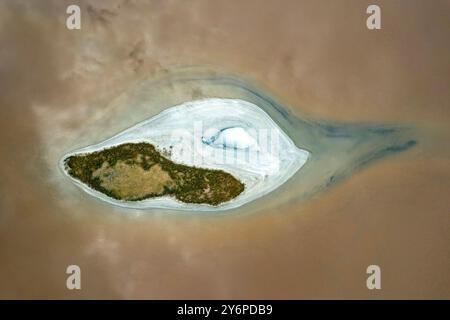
pixel 137 171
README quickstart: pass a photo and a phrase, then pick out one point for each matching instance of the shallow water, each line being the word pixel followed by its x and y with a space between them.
pixel 62 90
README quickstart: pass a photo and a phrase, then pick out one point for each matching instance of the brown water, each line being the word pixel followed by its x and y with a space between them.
pixel 315 56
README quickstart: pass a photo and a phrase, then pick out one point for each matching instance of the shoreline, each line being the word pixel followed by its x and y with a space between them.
pixel 256 185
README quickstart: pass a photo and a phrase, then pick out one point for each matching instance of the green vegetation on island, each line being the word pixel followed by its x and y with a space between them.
pixel 137 171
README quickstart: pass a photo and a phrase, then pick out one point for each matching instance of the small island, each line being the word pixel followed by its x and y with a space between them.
pixel 138 171
pixel 211 154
